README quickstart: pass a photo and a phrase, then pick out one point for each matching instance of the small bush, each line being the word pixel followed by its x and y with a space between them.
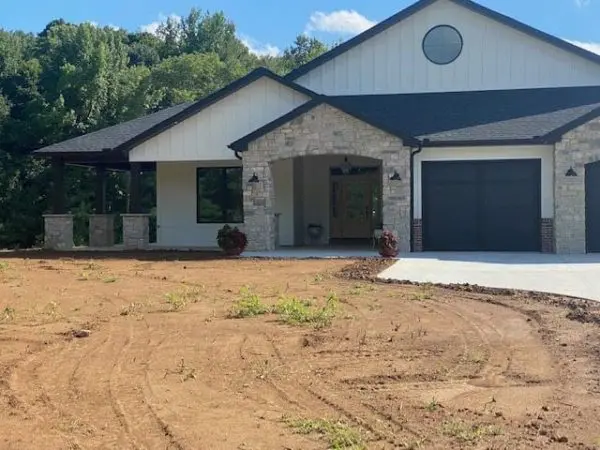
pixel 466 432
pixel 231 240
pixel 295 311
pixel 388 244
pixel 248 305
pixel 179 300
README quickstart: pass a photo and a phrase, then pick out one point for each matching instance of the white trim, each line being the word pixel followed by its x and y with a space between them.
pixel 543 152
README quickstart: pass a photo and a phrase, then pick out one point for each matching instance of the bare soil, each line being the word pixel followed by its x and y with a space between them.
pixel 165 367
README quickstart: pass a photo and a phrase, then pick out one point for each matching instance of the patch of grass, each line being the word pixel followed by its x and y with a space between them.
pixel 360 289
pixel 338 434
pixel 3 265
pixel 7 314
pixel 466 432
pixel 248 305
pixel 109 280
pixel 433 405
pixel 131 309
pixel 424 292
pixel 295 311
pixel 179 299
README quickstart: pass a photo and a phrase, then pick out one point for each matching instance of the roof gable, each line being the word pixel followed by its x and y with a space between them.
pixel 422 4
pixel 127 135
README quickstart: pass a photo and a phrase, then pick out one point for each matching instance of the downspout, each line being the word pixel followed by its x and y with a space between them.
pixel 412 190
pixel 237 155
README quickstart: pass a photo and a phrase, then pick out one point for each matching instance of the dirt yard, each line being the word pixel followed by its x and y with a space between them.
pixel 317 357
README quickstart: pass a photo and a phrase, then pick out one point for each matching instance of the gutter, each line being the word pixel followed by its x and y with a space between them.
pixel 237 155
pixel 412 190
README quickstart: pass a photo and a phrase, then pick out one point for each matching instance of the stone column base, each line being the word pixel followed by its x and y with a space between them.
pixel 136 231
pixel 547 233
pixel 58 231
pixel 417 236
pixel 102 230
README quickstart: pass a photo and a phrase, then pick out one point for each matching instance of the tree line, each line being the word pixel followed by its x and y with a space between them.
pixel 71 79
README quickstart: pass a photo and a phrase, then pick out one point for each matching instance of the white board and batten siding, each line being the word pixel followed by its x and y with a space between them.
pixel 545 153
pixel 494 56
pixel 205 136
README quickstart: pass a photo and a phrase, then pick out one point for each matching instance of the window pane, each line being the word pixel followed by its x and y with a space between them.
pixel 235 204
pixel 220 196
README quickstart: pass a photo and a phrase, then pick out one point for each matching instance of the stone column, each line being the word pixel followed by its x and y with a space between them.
pixel 259 200
pixel 58 231
pixel 136 231
pixel 102 230
pixel 396 194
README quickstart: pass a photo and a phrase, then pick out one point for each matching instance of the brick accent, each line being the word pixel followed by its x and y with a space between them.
pixel 547 233
pixel 417 229
pixel 576 149
pixel 136 231
pixel 58 231
pixel 102 230
pixel 324 130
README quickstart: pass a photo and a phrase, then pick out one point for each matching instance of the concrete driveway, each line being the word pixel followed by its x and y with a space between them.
pixel 573 275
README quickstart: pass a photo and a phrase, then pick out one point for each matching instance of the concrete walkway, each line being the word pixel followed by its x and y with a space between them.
pixel 573 275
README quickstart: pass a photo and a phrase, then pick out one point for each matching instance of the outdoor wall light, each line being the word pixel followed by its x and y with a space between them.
pixel 395 176
pixel 571 172
pixel 253 178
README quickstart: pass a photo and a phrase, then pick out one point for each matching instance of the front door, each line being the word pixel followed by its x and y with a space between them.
pixel 352 209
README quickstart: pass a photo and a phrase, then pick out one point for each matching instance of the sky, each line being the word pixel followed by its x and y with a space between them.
pixel 268 26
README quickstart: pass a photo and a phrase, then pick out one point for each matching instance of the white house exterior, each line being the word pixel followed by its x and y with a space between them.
pixel 450 124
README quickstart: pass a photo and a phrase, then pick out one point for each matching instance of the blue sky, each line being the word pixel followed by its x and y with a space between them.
pixel 269 25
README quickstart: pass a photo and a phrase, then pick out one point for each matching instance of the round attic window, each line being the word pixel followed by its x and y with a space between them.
pixel 442 44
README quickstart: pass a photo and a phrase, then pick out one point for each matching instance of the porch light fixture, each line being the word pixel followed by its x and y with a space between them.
pixel 571 172
pixel 253 178
pixel 346 167
pixel 395 176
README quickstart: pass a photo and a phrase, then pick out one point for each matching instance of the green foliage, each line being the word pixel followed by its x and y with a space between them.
pixel 248 305
pixel 338 434
pixel 295 311
pixel 466 432
pixel 72 79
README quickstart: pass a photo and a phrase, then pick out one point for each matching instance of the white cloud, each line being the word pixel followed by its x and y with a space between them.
pixel 92 23
pixel 258 48
pixel 152 27
pixel 347 22
pixel 582 3
pixel 591 46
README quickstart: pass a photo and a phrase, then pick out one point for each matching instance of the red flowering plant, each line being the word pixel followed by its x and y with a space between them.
pixel 231 240
pixel 388 244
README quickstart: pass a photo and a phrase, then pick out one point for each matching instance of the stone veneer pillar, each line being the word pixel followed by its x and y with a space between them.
pixel 547 232
pixel 417 236
pixel 136 231
pixel 577 148
pixel 58 231
pixel 102 230
pixel 324 130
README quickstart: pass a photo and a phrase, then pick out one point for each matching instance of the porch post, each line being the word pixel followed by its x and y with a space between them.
pixel 58 226
pixel 102 225
pixel 396 195
pixel 136 224
pixel 259 200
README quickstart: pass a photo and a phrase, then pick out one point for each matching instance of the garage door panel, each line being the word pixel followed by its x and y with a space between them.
pixel 482 205
pixel 459 227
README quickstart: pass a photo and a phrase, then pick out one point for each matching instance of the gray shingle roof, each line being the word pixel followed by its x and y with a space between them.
pixel 490 116
pixel 112 137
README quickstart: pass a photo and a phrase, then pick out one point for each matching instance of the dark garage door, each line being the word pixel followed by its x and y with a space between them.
pixel 482 205
pixel 592 207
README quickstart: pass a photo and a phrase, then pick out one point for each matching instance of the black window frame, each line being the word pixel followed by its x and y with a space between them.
pixel 436 28
pixel 226 203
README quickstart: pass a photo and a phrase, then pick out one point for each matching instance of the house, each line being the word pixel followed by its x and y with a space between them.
pixel 453 125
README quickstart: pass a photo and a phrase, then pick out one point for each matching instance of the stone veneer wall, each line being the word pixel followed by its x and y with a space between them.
pixel 58 231
pixel 547 233
pixel 417 227
pixel 136 231
pixel 576 149
pixel 102 230
pixel 324 130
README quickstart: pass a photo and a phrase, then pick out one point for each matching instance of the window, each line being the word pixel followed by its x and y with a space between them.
pixel 442 44
pixel 220 198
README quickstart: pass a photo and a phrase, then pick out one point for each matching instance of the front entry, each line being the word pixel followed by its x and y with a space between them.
pixel 592 207
pixel 355 205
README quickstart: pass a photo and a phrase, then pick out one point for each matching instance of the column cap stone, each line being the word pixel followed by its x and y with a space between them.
pixel 57 216
pixel 101 215
pixel 136 215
